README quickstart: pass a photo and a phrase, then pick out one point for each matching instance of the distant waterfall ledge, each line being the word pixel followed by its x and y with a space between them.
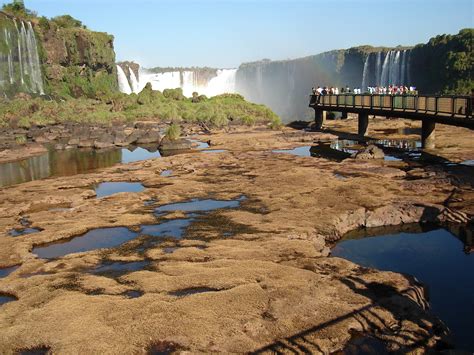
pixel 387 68
pixel 20 69
pixel 221 81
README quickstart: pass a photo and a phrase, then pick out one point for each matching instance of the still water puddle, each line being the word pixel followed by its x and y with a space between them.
pixel 42 350
pixel 111 188
pixel 70 162
pixel 174 228
pixel 299 151
pixel 113 237
pixel 4 298
pixel 199 144
pixel 197 205
pixel 132 294
pixel 4 272
pixel 134 154
pixel 94 239
pixel 441 260
pixel 24 231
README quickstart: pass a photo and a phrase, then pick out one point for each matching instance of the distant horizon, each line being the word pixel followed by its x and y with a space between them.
pixel 224 34
pixel 290 59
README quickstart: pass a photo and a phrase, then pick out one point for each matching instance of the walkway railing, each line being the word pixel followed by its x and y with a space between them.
pixel 447 106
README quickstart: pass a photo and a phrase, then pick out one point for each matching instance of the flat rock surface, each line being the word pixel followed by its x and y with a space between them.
pixel 252 278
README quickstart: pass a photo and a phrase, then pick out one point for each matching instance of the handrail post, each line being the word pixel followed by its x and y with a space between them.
pixel 453 106
pixel 436 105
pixel 469 106
pixel 371 101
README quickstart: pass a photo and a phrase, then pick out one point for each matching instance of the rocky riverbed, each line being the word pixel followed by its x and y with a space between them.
pixel 244 267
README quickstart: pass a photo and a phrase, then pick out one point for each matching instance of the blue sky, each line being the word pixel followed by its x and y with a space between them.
pixel 225 33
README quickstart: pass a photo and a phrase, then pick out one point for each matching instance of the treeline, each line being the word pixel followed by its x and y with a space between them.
pixel 445 64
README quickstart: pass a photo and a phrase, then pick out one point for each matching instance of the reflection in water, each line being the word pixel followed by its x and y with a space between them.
pixel 299 151
pixel 4 272
pixel 138 154
pixel 57 163
pixel 4 298
pixel 116 236
pixel 197 205
pixel 70 162
pixel 94 239
pixel 437 258
pixel 34 168
pixel 174 228
pixel 111 188
pixel 24 231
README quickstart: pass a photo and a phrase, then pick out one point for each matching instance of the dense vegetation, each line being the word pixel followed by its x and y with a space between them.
pixel 445 64
pixel 81 82
pixel 76 62
pixel 169 106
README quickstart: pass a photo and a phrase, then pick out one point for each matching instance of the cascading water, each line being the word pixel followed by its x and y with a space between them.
pixel 134 81
pixel 365 73
pixel 378 68
pixel 384 69
pixel 124 86
pixel 223 81
pixel 384 77
pixel 20 68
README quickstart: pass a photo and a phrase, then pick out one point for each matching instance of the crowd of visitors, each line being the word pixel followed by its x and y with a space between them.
pixel 373 90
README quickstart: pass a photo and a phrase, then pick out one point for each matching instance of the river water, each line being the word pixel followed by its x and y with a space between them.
pixel 442 260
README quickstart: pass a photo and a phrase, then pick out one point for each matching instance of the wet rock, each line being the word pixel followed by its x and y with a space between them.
pixel 60 146
pixel 88 194
pixel 104 141
pixel 401 214
pixel 73 141
pixel 371 152
pixel 86 143
pixel 151 136
pixel 178 144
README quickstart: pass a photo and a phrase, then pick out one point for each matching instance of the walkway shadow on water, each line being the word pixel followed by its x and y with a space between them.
pixel 409 302
pixel 462 174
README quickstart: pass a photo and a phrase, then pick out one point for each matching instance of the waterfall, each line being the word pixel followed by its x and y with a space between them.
pixel 223 83
pixel 134 81
pixel 190 81
pixel 365 73
pixel 384 77
pixel 36 78
pixel 403 80
pixel 395 69
pixel 124 86
pixel 20 68
pixel 408 69
pixel 160 81
pixel 378 68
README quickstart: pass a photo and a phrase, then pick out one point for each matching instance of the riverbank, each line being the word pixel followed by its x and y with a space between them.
pixel 251 276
